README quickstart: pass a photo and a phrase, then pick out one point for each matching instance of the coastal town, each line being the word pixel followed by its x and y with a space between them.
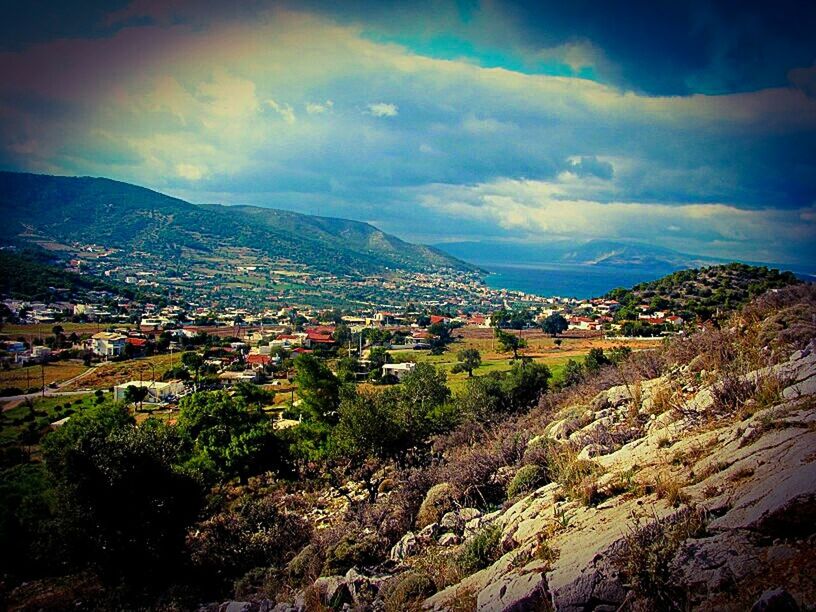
pixel 237 344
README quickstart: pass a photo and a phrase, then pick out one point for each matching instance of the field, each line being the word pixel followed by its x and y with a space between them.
pixel 31 376
pixel 41 330
pixel 35 415
pixel 541 348
pixel 109 374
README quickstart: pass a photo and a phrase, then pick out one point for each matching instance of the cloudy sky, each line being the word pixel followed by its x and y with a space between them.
pixel 680 124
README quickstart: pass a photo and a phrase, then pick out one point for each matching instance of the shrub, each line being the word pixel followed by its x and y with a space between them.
pixel 670 488
pixel 481 550
pixel 576 476
pixel 353 550
pixel 528 478
pixel 406 591
pixel 438 501
pixel 643 556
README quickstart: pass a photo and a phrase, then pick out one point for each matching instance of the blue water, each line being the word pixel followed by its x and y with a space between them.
pixel 567 280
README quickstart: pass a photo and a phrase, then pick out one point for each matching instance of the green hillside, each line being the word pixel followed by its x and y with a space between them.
pixel 29 276
pixel 702 292
pixel 120 215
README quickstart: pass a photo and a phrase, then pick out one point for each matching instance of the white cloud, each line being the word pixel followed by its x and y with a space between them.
pixel 318 108
pixel 189 172
pixel 549 210
pixel 383 109
pixel 286 112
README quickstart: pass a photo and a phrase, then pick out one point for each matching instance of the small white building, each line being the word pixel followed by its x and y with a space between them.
pixel 398 369
pixel 157 391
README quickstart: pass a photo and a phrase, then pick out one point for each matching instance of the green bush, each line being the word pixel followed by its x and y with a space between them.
pixel 406 591
pixel 482 550
pixel 353 550
pixel 528 478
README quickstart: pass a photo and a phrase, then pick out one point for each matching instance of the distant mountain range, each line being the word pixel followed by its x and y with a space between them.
pixel 588 252
pixel 120 215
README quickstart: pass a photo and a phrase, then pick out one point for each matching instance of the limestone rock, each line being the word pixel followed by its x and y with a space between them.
pixel 407 546
pixel 775 600
pixel 515 593
pixel 449 539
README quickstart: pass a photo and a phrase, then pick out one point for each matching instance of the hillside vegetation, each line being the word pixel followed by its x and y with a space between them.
pixel 28 275
pixel 669 479
pixel 702 293
pixel 116 214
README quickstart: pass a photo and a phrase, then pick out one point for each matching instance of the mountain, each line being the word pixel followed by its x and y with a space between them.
pixel 586 252
pixel 114 214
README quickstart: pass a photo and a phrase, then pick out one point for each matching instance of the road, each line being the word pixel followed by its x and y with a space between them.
pixel 12 401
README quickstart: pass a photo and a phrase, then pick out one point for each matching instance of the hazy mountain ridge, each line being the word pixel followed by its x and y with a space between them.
pixel 116 214
pixel 588 252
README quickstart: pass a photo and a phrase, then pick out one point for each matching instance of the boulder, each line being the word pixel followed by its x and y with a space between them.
pixel 775 600
pixel 407 546
pixel 449 539
pixel 428 533
pixel 515 593
pixel 333 591
pixel 452 521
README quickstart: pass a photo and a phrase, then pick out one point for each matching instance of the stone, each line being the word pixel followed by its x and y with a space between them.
pixel 407 546
pixel 449 539
pixel 561 430
pixel 333 590
pixel 428 533
pixel 235 606
pixel 775 600
pixel 468 514
pixel 451 522
pixel 515 593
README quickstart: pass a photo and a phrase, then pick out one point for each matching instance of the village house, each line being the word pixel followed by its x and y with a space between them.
pixel 108 344
pixel 399 370
pixel 157 391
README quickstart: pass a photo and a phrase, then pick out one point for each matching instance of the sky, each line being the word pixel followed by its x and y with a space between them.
pixel 687 125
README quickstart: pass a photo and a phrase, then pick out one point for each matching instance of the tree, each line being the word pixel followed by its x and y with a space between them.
pixel 342 334
pixel 123 507
pixel 482 397
pixel 573 373
pixel 368 426
pixel 134 395
pixel 524 383
pixel 510 342
pixel 554 324
pixel 227 437
pixel 193 361
pixel 377 358
pixel 318 388
pixel 469 360
pixel 595 359
pixel 422 390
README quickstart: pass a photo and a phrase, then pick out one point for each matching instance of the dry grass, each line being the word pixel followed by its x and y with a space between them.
pixel 644 555
pixel 114 373
pixel 31 376
pixel 577 477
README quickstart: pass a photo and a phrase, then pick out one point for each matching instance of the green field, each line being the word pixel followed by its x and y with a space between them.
pixel 37 414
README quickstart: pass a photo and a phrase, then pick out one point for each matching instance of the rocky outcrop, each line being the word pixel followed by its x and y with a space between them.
pixel 752 478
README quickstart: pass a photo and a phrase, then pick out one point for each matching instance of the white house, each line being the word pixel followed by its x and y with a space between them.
pixel 108 344
pixel 398 369
pixel 157 391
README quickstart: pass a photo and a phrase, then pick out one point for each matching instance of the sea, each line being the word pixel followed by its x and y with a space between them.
pixel 566 280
